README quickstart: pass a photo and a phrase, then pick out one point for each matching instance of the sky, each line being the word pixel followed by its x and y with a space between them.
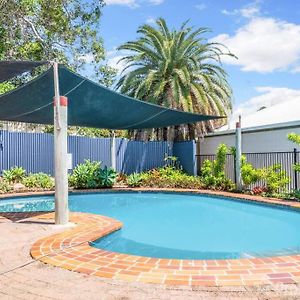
pixel 263 34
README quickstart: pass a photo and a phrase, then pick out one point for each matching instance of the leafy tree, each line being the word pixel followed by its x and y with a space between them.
pixel 87 131
pixel 63 30
pixel 179 69
pixel 66 31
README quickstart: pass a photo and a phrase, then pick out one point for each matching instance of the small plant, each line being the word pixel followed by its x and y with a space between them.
pixel 296 194
pixel 86 175
pixel 213 172
pixel 134 180
pixel 276 179
pixel 107 177
pixel 259 190
pixel 250 175
pixel 39 181
pixel 168 177
pixel 14 175
pixel 5 187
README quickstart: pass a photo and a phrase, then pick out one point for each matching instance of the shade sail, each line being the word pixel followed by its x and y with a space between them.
pixel 89 105
pixel 10 69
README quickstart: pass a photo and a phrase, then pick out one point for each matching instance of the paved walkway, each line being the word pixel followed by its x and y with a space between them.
pixel 21 277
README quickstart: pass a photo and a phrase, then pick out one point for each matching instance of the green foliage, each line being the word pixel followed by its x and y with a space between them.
pixel 296 194
pixel 14 175
pixel 172 161
pixel 39 181
pixel 87 131
pixel 66 31
pixel 250 175
pixel 5 187
pixel 89 175
pixel 134 180
pixel 107 177
pixel 178 69
pixel 276 179
pixel 85 175
pixel 169 177
pixel 295 138
pixel 213 172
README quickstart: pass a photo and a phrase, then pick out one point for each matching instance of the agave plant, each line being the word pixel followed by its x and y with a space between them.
pixel 179 69
pixel 107 177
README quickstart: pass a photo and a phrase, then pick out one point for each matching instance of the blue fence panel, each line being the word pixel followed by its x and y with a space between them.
pixel 83 148
pixel 136 156
pixel 34 152
pixel 186 153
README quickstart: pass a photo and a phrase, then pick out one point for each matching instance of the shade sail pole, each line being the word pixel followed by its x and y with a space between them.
pixel 113 150
pixel 60 152
pixel 238 155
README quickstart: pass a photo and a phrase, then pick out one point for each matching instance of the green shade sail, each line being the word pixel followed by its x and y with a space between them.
pixel 89 105
pixel 10 69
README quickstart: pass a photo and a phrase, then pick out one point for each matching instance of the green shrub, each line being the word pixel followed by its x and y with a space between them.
pixel 296 194
pixel 14 175
pixel 213 172
pixel 169 177
pixel 5 187
pixel 250 175
pixel 85 175
pixel 134 180
pixel 107 177
pixel 276 179
pixel 39 180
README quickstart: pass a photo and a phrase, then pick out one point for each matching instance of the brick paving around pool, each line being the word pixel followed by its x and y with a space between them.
pixel 71 250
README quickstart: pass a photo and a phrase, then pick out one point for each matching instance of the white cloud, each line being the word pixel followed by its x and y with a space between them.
pixel 200 6
pixel 156 2
pixel 87 58
pixel 150 20
pixel 270 96
pixel 132 3
pixel 247 12
pixel 273 105
pixel 264 45
pixel 113 59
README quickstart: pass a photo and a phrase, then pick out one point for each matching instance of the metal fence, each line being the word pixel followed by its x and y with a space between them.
pixel 34 152
pixel 262 160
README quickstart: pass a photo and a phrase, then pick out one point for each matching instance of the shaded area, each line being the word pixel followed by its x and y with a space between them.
pixel 18 216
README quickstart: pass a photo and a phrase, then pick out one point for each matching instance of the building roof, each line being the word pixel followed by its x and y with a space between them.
pixel 287 111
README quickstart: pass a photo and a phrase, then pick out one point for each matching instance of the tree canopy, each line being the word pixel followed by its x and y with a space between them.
pixel 66 31
pixel 178 69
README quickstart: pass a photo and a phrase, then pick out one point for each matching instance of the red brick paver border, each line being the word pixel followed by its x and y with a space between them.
pixel 71 250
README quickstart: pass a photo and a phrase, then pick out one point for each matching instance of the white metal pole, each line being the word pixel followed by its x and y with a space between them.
pixel 113 150
pixel 238 147
pixel 60 153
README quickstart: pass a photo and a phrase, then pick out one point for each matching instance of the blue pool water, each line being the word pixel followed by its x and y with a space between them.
pixel 183 226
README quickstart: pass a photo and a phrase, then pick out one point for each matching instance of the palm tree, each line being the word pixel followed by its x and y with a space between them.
pixel 177 69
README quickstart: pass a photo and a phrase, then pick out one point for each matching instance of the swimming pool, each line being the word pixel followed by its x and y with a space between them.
pixel 184 226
